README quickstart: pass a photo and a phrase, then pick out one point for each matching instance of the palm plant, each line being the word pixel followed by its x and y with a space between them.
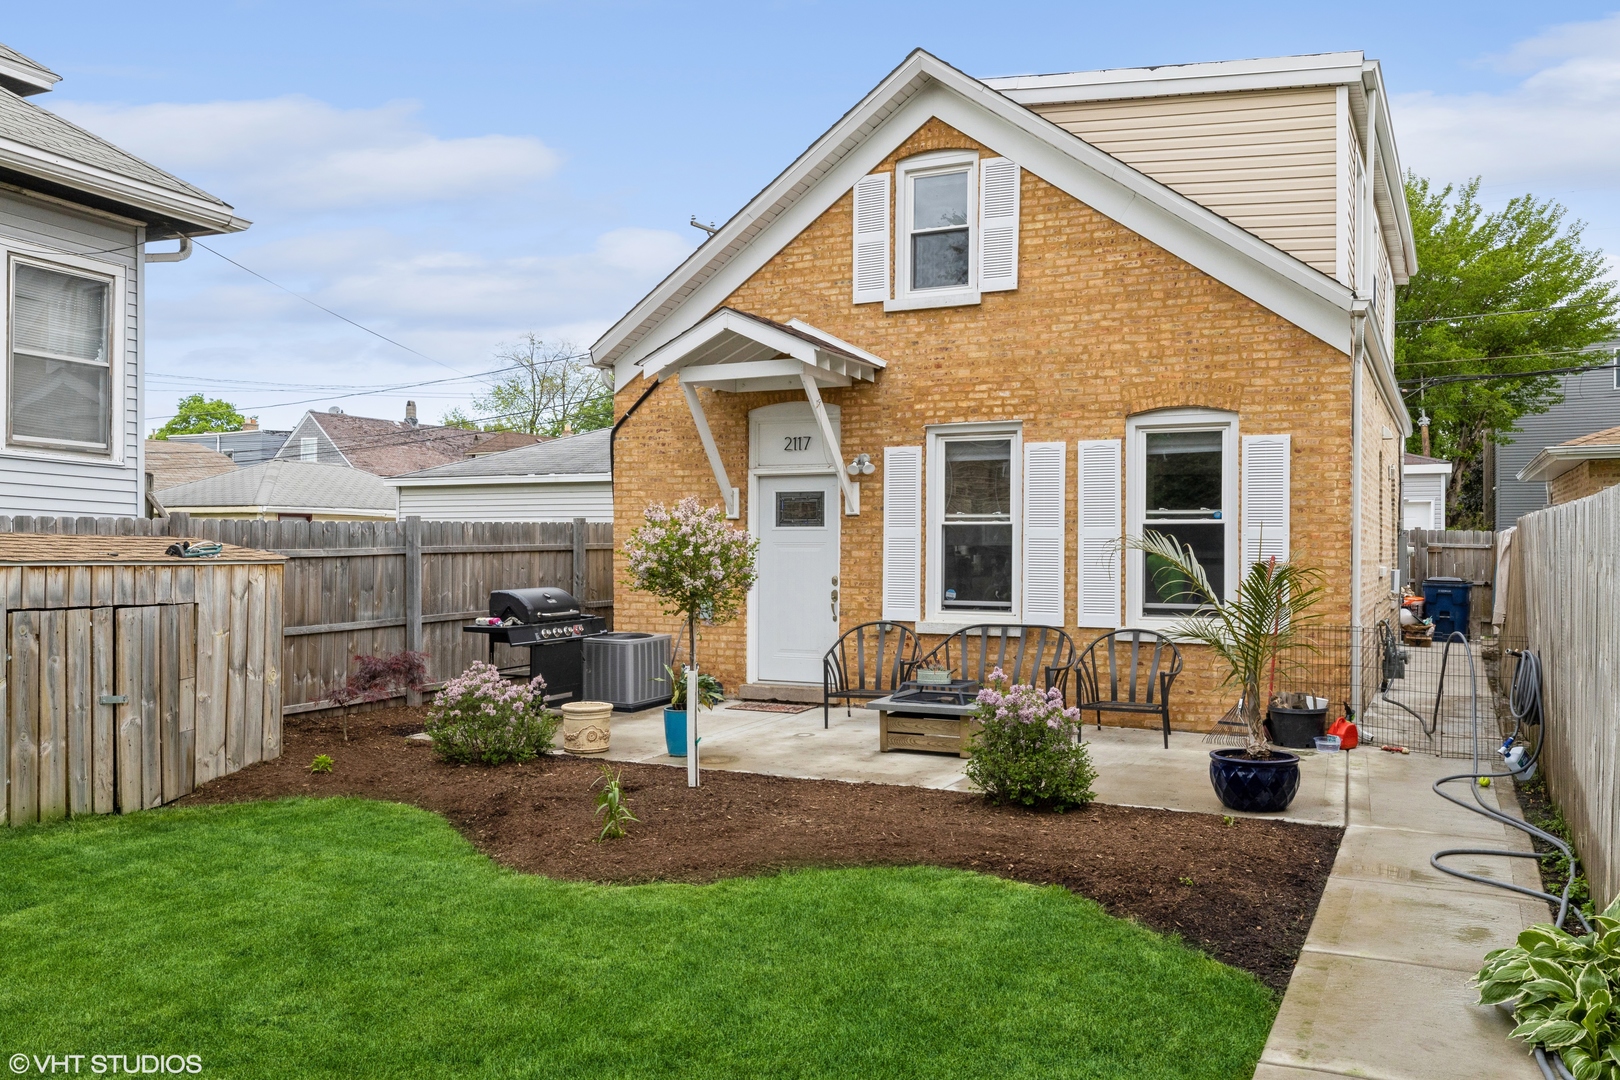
pixel 1253 633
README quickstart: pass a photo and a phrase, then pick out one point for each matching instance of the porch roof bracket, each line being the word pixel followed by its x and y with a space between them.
pixel 728 494
pixel 835 456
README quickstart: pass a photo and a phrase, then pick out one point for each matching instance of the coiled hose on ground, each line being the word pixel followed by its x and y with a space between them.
pixel 1524 703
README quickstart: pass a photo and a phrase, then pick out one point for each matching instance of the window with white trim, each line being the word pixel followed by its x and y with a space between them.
pixel 1181 481
pixel 974 509
pixel 936 250
pixel 60 377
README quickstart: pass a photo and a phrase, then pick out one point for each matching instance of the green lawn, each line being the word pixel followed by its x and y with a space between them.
pixel 350 938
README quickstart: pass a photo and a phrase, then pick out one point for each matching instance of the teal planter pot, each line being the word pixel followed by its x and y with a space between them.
pixel 675 732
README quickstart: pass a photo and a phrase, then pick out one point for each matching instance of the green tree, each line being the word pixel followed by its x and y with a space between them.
pixel 546 389
pixel 1497 292
pixel 197 415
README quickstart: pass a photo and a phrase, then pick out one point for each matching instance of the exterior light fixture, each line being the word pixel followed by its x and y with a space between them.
pixel 862 466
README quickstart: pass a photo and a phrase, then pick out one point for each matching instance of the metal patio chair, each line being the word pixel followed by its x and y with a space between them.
pixel 869 661
pixel 1141 663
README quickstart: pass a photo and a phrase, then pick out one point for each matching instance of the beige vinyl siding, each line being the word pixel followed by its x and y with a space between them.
pixel 1265 160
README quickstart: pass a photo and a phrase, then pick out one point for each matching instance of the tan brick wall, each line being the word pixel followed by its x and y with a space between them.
pixel 1381 460
pixel 1103 324
pixel 1587 478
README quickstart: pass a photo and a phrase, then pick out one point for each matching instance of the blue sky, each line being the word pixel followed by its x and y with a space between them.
pixel 454 175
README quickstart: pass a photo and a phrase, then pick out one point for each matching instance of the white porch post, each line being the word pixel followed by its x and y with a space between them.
pixel 835 456
pixel 727 493
pixel 691 727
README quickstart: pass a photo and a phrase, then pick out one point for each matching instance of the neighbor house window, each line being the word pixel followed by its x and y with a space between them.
pixel 937 216
pixel 60 390
pixel 973 508
pixel 306 448
pixel 1182 479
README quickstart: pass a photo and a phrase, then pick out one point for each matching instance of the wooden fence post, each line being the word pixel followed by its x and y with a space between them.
pixel 579 560
pixel 413 593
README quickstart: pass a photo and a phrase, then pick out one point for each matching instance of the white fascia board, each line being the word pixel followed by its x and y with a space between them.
pixel 1389 165
pixel 1277 281
pixel 1383 368
pixel 216 217
pixel 1266 73
pixel 1555 461
pixel 837 342
pixel 672 356
pixel 1427 470
pixel 41 79
pixel 510 480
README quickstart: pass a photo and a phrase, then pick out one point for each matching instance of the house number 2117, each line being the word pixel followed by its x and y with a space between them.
pixel 795 443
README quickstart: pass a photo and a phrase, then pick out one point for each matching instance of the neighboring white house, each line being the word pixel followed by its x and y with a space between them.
pixel 556 480
pixel 283 491
pixel 76 214
pixel 1423 492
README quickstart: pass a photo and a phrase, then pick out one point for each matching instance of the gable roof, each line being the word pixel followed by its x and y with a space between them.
pixel 1555 461
pixel 564 459
pixel 40 150
pixel 174 463
pixel 392 447
pixel 923 87
pixel 24 76
pixel 288 486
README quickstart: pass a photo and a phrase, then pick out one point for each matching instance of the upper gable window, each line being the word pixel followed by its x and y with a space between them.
pixel 61 388
pixel 953 233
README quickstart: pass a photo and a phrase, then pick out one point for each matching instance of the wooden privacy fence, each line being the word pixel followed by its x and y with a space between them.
pixel 130 676
pixel 372 588
pixel 1469 554
pixel 1564 603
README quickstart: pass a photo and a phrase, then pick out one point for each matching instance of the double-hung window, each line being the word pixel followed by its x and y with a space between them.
pixel 60 374
pixel 1182 482
pixel 937 217
pixel 973 535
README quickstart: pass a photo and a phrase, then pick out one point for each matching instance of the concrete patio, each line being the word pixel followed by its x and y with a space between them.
pixel 1381 989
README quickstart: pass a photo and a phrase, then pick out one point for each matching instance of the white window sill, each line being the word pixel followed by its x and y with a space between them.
pixel 941 625
pixel 919 301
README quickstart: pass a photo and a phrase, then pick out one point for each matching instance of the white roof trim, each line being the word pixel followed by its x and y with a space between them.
pixel 1427 469
pixel 769 342
pixel 1555 461
pixel 31 78
pixel 1267 73
pixel 70 172
pixel 506 480
pixel 922 88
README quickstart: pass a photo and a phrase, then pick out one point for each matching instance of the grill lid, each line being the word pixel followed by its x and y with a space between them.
pixel 532 605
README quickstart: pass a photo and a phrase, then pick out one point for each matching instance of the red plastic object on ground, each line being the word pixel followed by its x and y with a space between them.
pixel 1347 733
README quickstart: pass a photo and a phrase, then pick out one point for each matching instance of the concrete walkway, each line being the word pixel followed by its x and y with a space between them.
pixel 1381 989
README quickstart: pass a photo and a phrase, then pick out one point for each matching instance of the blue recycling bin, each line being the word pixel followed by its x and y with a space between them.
pixel 1446 600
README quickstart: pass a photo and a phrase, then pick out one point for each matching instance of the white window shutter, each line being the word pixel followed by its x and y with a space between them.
pixel 871 273
pixel 902 533
pixel 998 225
pixel 1043 533
pixel 1097 484
pixel 1265 498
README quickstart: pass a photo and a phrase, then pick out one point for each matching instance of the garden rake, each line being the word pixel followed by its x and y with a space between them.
pixel 1230 730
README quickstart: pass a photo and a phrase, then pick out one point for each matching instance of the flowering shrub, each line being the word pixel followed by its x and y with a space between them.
pixel 480 717
pixel 1027 751
pixel 689 558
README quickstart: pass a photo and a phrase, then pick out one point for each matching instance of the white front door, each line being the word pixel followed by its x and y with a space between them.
pixel 797 593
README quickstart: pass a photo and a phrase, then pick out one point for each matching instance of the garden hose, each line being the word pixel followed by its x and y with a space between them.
pixel 1524 702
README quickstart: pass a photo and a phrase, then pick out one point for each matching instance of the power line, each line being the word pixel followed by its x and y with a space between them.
pixel 329 311
pixel 1441 380
pixel 1512 356
pixel 1494 314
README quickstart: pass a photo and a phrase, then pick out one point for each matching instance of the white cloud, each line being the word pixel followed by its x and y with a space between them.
pixel 1558 128
pixel 297 153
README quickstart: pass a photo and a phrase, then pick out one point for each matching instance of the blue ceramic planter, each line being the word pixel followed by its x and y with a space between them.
pixel 1254 785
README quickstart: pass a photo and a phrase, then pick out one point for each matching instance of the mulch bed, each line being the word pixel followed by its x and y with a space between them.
pixel 1245 893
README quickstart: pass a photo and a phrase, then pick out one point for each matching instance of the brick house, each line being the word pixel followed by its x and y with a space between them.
pixel 980 330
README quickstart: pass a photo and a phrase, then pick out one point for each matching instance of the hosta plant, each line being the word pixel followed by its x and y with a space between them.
pixel 1563 988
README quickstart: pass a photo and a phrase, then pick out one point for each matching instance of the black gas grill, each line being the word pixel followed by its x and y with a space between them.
pixel 551 625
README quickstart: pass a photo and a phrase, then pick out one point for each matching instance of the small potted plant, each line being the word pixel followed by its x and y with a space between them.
pixel 1251 634
pixel 710 694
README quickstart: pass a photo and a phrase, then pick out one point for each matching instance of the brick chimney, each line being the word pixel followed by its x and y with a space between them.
pixel 251 424
pixel 410 413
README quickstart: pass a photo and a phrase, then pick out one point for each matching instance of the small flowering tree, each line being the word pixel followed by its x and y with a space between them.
pixel 479 716
pixel 688 557
pixel 1026 751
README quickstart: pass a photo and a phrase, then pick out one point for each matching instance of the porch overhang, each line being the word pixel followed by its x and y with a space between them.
pixel 737 353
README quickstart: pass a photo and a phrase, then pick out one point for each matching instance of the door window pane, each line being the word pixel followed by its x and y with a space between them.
pixel 61 382
pixel 800 509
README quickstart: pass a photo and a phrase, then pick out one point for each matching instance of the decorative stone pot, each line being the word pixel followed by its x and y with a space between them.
pixel 585 726
pixel 1254 785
